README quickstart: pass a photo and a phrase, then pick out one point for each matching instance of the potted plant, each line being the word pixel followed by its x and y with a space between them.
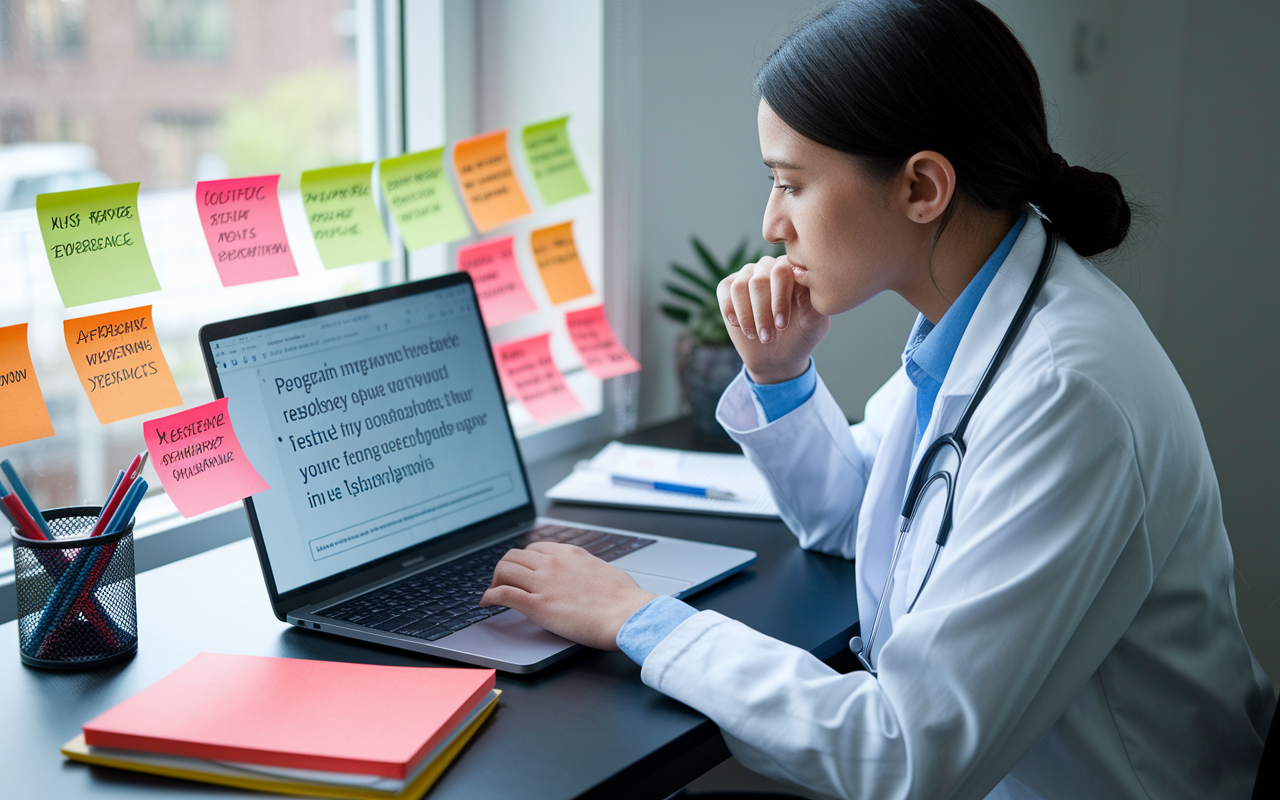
pixel 705 356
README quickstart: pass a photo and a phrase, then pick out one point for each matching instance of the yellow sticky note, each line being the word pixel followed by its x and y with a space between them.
pixel 94 243
pixel 558 263
pixel 344 220
pixel 120 365
pixel 23 414
pixel 421 199
pixel 489 185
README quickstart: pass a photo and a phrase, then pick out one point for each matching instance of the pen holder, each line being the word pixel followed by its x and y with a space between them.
pixel 76 604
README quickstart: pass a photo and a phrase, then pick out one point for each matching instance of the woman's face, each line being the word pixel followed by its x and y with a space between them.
pixel 844 234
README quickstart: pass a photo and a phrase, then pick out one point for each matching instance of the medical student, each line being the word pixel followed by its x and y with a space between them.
pixel 1077 636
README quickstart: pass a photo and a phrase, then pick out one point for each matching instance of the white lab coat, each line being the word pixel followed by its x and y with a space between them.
pixel 1078 637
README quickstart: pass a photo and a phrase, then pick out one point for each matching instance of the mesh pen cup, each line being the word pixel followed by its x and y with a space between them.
pixel 77 608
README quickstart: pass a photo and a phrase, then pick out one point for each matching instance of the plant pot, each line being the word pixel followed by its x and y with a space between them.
pixel 705 372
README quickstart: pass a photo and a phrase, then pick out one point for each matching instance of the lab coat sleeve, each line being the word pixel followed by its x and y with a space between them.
pixel 815 463
pixel 1046 566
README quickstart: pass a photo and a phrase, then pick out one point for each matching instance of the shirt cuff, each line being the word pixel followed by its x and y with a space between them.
pixel 779 399
pixel 650 625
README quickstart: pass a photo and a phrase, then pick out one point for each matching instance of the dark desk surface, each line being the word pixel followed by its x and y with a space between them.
pixel 585 727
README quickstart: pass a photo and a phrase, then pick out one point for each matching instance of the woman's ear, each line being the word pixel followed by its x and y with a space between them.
pixel 925 186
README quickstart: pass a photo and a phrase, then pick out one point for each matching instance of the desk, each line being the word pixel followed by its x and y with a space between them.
pixel 584 727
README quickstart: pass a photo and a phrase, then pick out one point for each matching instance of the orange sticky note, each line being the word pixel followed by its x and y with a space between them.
pixel 600 349
pixel 120 364
pixel 535 379
pixel 558 263
pixel 23 414
pixel 489 186
pixel 499 286
pixel 199 459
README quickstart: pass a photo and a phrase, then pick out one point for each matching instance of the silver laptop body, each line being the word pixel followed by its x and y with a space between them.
pixel 378 420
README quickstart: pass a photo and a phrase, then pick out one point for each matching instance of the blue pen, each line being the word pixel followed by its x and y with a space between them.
pixel 664 486
pixel 21 491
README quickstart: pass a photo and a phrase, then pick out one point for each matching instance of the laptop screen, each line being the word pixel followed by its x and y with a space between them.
pixel 378 427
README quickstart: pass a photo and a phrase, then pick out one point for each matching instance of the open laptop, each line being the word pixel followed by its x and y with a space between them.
pixel 378 421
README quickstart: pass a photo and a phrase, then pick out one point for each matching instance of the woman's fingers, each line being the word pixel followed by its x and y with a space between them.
pixel 781 286
pixel 740 294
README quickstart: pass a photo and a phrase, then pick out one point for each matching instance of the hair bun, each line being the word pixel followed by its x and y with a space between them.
pixel 1087 208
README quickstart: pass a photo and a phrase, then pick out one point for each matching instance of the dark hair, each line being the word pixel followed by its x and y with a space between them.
pixel 885 79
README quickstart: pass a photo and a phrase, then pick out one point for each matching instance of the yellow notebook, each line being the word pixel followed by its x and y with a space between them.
pixel 310 783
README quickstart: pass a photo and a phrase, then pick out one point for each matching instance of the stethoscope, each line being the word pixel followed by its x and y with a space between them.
pixel 921 479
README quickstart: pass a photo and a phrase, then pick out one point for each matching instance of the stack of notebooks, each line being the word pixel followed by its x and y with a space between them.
pixel 314 728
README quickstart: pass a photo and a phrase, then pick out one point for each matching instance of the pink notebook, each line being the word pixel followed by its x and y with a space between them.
pixel 287 712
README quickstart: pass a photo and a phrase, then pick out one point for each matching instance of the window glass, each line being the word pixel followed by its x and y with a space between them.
pixel 168 93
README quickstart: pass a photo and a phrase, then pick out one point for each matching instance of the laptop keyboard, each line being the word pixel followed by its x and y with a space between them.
pixel 431 605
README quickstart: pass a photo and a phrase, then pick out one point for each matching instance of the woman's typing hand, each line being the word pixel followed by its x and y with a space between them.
pixel 771 320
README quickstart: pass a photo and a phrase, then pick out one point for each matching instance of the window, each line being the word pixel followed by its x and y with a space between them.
pixel 185 28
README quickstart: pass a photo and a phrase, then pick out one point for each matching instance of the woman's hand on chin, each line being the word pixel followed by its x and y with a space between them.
pixel 771 319
pixel 568 591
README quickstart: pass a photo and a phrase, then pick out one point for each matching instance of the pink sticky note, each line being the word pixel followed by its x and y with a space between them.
pixel 600 349
pixel 242 223
pixel 535 378
pixel 502 293
pixel 199 459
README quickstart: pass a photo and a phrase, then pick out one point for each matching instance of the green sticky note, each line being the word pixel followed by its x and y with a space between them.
pixel 421 199
pixel 344 220
pixel 550 157
pixel 94 243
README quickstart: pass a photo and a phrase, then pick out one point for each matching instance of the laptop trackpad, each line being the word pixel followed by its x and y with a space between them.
pixel 659 584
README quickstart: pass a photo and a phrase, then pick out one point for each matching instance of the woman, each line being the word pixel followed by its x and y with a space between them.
pixel 1077 635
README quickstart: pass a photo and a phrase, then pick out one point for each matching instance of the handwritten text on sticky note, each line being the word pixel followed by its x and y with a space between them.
pixel 489 184
pixel 94 243
pixel 120 364
pixel 244 229
pixel 499 286
pixel 550 157
pixel 420 198
pixel 558 263
pixel 535 379
pixel 595 341
pixel 343 218
pixel 199 459
pixel 25 416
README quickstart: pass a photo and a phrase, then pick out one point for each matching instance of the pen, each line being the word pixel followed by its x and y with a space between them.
pixel 21 491
pixel 664 486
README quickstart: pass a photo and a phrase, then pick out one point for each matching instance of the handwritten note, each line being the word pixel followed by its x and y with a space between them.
pixel 499 287
pixel 535 379
pixel 489 184
pixel 120 364
pixel 344 220
pixel 558 263
pixel 421 199
pixel 244 229
pixel 600 349
pixel 199 459
pixel 94 243
pixel 23 414
pixel 550 157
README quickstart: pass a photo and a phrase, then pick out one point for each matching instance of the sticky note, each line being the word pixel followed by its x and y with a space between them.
pixel 244 229
pixel 343 218
pixel 551 160
pixel 489 185
pixel 558 263
pixel 120 364
pixel 499 286
pixel 199 460
pixel 535 379
pixel 23 414
pixel 421 200
pixel 94 243
pixel 595 341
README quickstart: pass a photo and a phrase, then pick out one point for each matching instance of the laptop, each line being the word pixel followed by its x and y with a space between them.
pixel 378 420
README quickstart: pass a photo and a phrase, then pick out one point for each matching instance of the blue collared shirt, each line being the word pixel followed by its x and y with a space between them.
pixel 926 359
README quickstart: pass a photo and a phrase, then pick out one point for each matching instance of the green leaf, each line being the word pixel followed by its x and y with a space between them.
pixel 737 261
pixel 677 313
pixel 708 259
pixel 694 277
pixel 685 294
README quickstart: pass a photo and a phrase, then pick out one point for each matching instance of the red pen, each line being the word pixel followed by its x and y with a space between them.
pixel 113 502
pixel 19 512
